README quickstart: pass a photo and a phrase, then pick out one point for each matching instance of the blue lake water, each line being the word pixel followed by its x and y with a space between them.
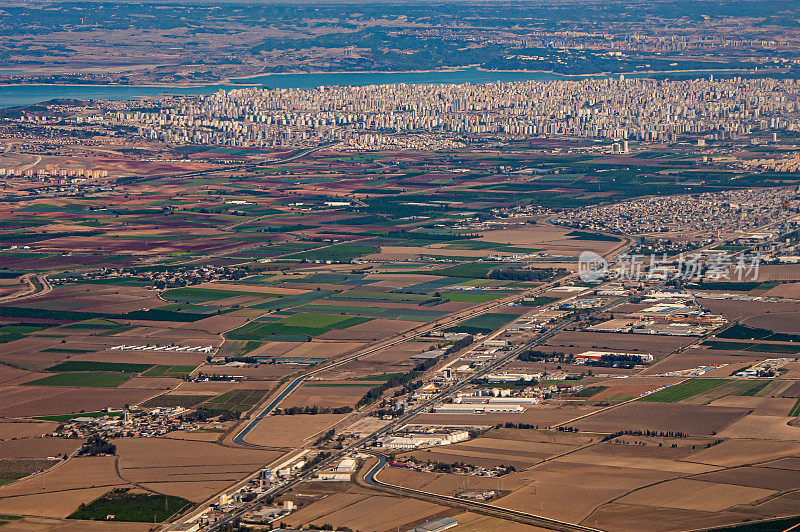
pixel 13 95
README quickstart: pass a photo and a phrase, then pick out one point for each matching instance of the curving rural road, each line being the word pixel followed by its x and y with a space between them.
pixel 473 506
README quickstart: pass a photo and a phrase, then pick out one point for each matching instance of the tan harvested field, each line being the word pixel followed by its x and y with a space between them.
pixel 200 467
pixel 771 478
pixel 788 322
pixel 762 427
pixel 779 272
pixel 792 390
pixel 363 368
pixel 781 505
pixel 412 479
pixel 58 492
pixel 193 490
pixel 789 290
pixel 57 503
pixel 572 491
pixel 739 309
pixel 323 349
pixel 267 349
pixel 213 325
pixel 691 419
pixel 290 431
pixel 774 406
pixel 632 387
pixel 38 447
pixel 41 524
pixel 792 463
pixel 696 495
pixel 482 459
pixel 635 457
pixel 23 401
pixel 27 352
pixel 549 238
pixel 358 511
pixel 792 370
pixel 540 436
pixel 373 330
pixel 151 383
pixel 10 376
pixel 470 522
pixel 511 447
pixel 206 436
pixel 391 360
pixel 737 401
pixel 634 517
pixel 737 452
pixel 85 296
pixel 325 396
pixel 12 430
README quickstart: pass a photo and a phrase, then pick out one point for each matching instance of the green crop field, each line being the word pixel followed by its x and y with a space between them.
pixel 67 350
pixel 238 400
pixel 127 506
pixel 589 391
pixel 795 411
pixel 483 324
pixel 305 319
pixel 21 329
pixel 339 252
pixel 421 314
pixel 474 296
pixel 299 324
pixel 7 518
pixel 538 301
pixel 684 390
pixel 86 379
pixel 598 237
pixel 748 346
pixel 742 332
pixel 382 296
pixel 81 365
pixel 199 295
pixel 754 391
pixel 66 417
pixel 472 270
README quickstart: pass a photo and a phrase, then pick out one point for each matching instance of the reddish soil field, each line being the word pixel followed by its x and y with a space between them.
pixel 377 329
pixel 691 419
pixel 24 401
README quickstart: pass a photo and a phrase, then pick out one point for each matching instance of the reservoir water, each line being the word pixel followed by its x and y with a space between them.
pixel 13 95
